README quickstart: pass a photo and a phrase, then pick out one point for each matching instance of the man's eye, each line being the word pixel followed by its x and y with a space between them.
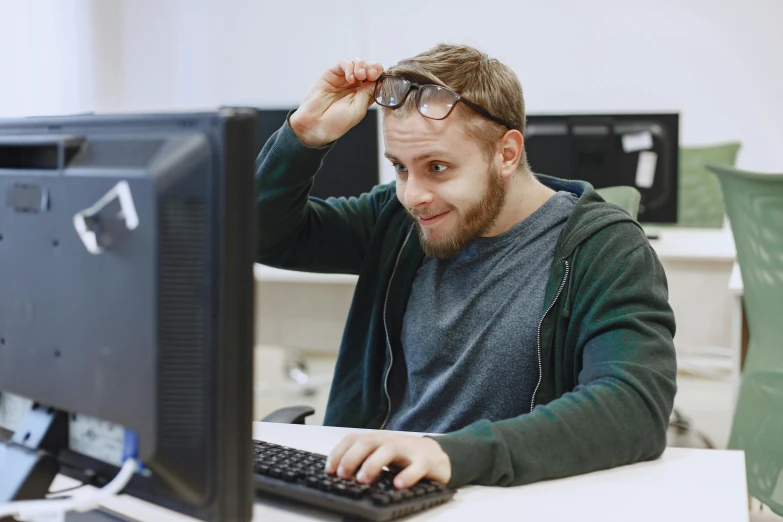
pixel 399 167
pixel 438 167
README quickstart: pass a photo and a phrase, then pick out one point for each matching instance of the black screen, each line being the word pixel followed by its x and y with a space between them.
pixel 592 148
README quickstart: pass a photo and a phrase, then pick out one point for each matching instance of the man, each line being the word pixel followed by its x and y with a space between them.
pixel 518 319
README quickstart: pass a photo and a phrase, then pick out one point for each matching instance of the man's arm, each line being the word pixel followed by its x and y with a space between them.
pixel 302 233
pixel 617 414
pixel 296 231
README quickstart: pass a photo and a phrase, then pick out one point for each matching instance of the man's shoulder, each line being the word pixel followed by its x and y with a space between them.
pixel 610 245
pixel 600 228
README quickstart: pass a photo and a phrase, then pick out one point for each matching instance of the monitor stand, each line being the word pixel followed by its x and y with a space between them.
pixel 97 515
pixel 29 462
pixel 29 459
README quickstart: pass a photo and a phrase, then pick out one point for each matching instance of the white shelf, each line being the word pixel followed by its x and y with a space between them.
pixel 266 274
pixel 673 244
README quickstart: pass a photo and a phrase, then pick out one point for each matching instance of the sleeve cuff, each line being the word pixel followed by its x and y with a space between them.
pixel 467 451
pixel 291 138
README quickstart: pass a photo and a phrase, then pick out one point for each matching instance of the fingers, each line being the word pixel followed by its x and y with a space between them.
pixel 356 455
pixel 370 453
pixel 411 475
pixel 356 70
pixel 360 69
pixel 348 70
pixel 374 71
pixel 333 460
pixel 383 456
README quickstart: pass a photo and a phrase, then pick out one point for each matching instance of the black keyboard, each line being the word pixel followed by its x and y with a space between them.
pixel 299 476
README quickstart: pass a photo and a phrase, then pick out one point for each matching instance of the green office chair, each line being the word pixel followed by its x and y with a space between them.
pixel 754 205
pixel 700 202
pixel 625 197
pixel 699 197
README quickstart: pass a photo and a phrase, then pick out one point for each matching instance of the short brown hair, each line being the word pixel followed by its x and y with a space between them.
pixel 479 78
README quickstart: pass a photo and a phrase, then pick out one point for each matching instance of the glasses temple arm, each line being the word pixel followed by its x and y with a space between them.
pixel 479 109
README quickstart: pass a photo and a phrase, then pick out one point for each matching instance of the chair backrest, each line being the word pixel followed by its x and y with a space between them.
pixel 625 197
pixel 700 199
pixel 754 205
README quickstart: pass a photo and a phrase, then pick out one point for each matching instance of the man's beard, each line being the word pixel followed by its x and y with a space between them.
pixel 477 220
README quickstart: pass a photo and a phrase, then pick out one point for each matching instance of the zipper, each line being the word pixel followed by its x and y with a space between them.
pixel 386 329
pixel 538 334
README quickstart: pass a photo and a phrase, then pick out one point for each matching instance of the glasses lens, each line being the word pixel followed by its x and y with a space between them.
pixel 391 91
pixel 436 102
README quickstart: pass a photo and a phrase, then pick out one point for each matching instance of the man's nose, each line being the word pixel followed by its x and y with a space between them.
pixel 416 191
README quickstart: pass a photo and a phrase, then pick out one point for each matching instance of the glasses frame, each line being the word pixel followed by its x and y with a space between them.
pixel 457 98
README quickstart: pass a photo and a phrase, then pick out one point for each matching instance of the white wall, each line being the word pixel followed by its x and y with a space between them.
pixel 718 63
pixel 721 65
pixel 45 57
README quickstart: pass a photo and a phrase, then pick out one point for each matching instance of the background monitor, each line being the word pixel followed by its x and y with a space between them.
pixel 126 313
pixel 352 166
pixel 640 150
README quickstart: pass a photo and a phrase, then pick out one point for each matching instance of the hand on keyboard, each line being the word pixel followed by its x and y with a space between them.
pixel 365 456
pixel 300 476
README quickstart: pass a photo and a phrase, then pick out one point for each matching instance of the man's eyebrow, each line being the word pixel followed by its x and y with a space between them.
pixel 421 157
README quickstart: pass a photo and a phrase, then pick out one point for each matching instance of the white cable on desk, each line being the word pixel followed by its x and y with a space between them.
pixel 55 509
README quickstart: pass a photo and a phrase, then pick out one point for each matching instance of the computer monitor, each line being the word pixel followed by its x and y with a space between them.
pixel 352 166
pixel 126 313
pixel 640 150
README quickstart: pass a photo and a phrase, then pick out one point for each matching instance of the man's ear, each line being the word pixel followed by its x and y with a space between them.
pixel 510 146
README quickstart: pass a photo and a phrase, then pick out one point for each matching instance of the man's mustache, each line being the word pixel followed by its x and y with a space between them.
pixel 426 214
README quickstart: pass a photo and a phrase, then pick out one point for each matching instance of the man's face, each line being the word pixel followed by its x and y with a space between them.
pixel 444 180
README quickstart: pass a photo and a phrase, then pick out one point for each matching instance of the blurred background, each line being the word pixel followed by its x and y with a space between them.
pixel 716 64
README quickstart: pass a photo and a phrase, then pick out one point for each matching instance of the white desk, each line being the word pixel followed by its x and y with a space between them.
pixel 684 485
pixel 693 244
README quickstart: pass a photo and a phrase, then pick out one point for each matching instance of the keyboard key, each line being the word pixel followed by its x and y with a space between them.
pixel 355 491
pixel 419 490
pixel 380 500
pixel 385 486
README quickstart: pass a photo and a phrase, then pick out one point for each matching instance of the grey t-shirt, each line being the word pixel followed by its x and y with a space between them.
pixel 469 334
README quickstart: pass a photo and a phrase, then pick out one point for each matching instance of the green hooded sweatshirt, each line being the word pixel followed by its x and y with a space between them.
pixel 607 366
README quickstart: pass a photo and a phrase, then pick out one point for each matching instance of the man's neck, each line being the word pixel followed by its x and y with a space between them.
pixel 525 195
